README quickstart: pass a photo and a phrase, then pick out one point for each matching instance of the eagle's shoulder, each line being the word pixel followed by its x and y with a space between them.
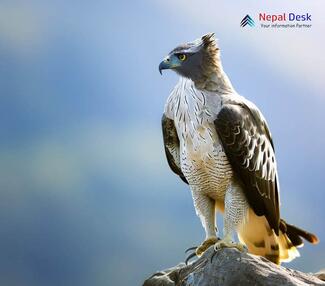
pixel 240 104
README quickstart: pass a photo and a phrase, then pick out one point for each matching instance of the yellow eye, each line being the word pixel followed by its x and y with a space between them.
pixel 182 57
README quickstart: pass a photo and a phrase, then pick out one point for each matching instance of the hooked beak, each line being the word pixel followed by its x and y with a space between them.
pixel 164 65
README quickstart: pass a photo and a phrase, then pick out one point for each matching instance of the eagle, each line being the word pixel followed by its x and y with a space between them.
pixel 219 143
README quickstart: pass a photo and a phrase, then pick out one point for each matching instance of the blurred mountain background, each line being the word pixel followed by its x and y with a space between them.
pixel 86 195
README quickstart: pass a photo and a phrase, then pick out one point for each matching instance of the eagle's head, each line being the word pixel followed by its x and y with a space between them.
pixel 196 60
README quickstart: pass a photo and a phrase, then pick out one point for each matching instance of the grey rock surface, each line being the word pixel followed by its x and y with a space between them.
pixel 230 267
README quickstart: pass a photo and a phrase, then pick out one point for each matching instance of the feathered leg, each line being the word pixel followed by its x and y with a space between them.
pixel 236 208
pixel 205 209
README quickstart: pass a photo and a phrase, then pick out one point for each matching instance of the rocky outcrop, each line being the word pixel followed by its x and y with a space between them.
pixel 230 267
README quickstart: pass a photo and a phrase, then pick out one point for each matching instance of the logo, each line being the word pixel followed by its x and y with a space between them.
pixel 247 21
pixel 284 20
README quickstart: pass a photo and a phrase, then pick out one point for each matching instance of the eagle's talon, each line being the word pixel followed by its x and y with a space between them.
pixel 190 248
pixel 228 244
pixel 188 258
pixel 206 244
pixel 201 248
pixel 225 243
pixel 213 254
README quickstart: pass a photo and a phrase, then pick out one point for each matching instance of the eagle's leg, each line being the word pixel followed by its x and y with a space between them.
pixel 205 209
pixel 236 210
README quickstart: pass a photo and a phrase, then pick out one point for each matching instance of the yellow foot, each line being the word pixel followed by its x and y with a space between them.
pixel 224 243
pixel 205 245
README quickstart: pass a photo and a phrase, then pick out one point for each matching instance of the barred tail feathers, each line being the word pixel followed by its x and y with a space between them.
pixel 295 234
pixel 261 240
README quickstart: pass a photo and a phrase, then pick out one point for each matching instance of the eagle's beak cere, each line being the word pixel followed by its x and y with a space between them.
pixel 164 65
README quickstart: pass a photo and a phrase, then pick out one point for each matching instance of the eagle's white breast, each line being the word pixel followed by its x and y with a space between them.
pixel 202 158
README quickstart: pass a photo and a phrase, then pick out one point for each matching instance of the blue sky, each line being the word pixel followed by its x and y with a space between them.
pixel 86 193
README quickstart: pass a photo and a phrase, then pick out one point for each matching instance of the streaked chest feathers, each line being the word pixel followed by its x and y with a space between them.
pixel 202 158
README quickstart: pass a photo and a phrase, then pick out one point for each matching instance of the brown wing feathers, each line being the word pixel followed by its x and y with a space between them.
pixel 171 143
pixel 250 152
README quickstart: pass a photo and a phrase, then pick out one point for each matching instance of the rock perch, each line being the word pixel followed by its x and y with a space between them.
pixel 231 267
